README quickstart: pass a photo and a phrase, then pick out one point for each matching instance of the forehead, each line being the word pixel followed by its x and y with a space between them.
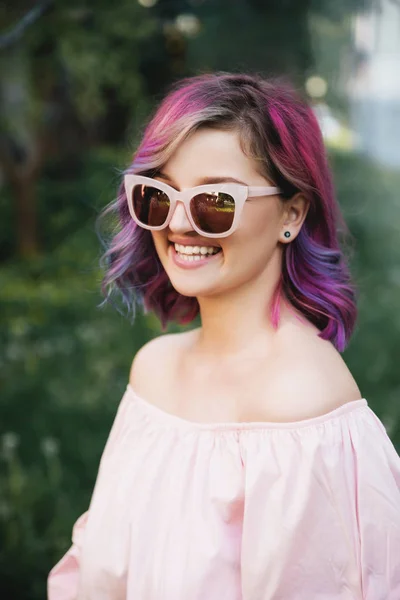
pixel 208 153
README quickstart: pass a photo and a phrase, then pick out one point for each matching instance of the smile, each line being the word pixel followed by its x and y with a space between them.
pixel 190 257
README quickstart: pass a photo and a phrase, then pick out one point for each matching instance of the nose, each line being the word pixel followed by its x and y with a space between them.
pixel 179 222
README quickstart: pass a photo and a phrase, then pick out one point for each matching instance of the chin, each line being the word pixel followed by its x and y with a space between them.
pixel 192 290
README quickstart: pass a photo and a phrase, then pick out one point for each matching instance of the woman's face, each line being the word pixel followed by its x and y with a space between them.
pixel 245 255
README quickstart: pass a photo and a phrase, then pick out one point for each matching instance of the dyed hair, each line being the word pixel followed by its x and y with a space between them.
pixel 278 129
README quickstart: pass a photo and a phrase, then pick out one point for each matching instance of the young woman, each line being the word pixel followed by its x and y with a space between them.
pixel 243 462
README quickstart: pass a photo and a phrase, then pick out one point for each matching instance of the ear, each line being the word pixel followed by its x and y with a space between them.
pixel 293 214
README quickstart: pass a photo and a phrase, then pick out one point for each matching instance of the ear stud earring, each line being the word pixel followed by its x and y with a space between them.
pixel 287 234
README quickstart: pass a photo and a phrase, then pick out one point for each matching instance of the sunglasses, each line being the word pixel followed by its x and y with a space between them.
pixel 213 210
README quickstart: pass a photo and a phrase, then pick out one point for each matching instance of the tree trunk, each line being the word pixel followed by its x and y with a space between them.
pixel 27 243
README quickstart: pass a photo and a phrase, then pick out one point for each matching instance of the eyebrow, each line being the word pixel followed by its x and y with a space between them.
pixel 205 180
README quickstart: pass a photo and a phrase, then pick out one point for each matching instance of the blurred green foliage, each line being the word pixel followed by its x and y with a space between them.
pixel 63 367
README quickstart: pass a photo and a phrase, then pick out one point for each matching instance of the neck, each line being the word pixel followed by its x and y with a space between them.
pixel 238 322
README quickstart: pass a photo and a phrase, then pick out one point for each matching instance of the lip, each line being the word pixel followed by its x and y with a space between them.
pixel 195 264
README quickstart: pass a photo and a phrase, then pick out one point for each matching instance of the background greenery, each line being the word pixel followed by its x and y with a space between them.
pixel 77 83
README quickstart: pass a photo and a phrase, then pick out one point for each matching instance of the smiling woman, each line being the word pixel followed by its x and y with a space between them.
pixel 254 132
pixel 243 462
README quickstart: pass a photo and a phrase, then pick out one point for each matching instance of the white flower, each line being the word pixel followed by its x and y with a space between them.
pixel 9 442
pixel 5 509
pixel 50 446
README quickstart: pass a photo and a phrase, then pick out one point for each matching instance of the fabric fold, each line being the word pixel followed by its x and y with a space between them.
pixel 238 511
pixel 63 579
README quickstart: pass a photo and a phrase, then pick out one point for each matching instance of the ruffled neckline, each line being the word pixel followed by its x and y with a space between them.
pixel 174 420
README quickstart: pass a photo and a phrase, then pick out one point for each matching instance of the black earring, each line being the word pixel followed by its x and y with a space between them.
pixel 287 234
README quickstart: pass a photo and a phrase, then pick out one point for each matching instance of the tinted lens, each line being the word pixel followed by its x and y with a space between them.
pixel 213 213
pixel 151 205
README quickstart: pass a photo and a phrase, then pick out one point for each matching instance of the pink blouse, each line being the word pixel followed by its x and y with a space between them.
pixel 307 510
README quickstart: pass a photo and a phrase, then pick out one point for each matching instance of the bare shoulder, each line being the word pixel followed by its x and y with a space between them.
pixel 311 379
pixel 153 364
pixel 153 354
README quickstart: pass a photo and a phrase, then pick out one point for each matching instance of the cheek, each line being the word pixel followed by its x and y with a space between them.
pixel 252 247
pixel 159 241
pixel 160 245
pixel 259 230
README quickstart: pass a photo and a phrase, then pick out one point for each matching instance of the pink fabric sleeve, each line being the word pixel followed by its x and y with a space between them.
pixel 63 579
pixel 332 530
pixel 378 498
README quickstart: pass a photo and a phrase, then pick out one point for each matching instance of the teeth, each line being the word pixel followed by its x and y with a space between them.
pixel 195 250
pixel 190 258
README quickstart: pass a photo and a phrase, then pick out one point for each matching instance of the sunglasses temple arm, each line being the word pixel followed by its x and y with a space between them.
pixel 263 191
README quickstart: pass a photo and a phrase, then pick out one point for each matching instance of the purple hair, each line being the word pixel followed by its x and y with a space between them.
pixel 279 130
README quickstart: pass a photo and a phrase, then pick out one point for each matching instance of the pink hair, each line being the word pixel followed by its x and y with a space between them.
pixel 279 130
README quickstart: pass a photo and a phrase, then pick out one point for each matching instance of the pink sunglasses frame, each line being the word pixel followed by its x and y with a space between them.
pixel 240 193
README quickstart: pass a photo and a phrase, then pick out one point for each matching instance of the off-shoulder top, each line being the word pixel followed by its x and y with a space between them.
pixel 306 510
